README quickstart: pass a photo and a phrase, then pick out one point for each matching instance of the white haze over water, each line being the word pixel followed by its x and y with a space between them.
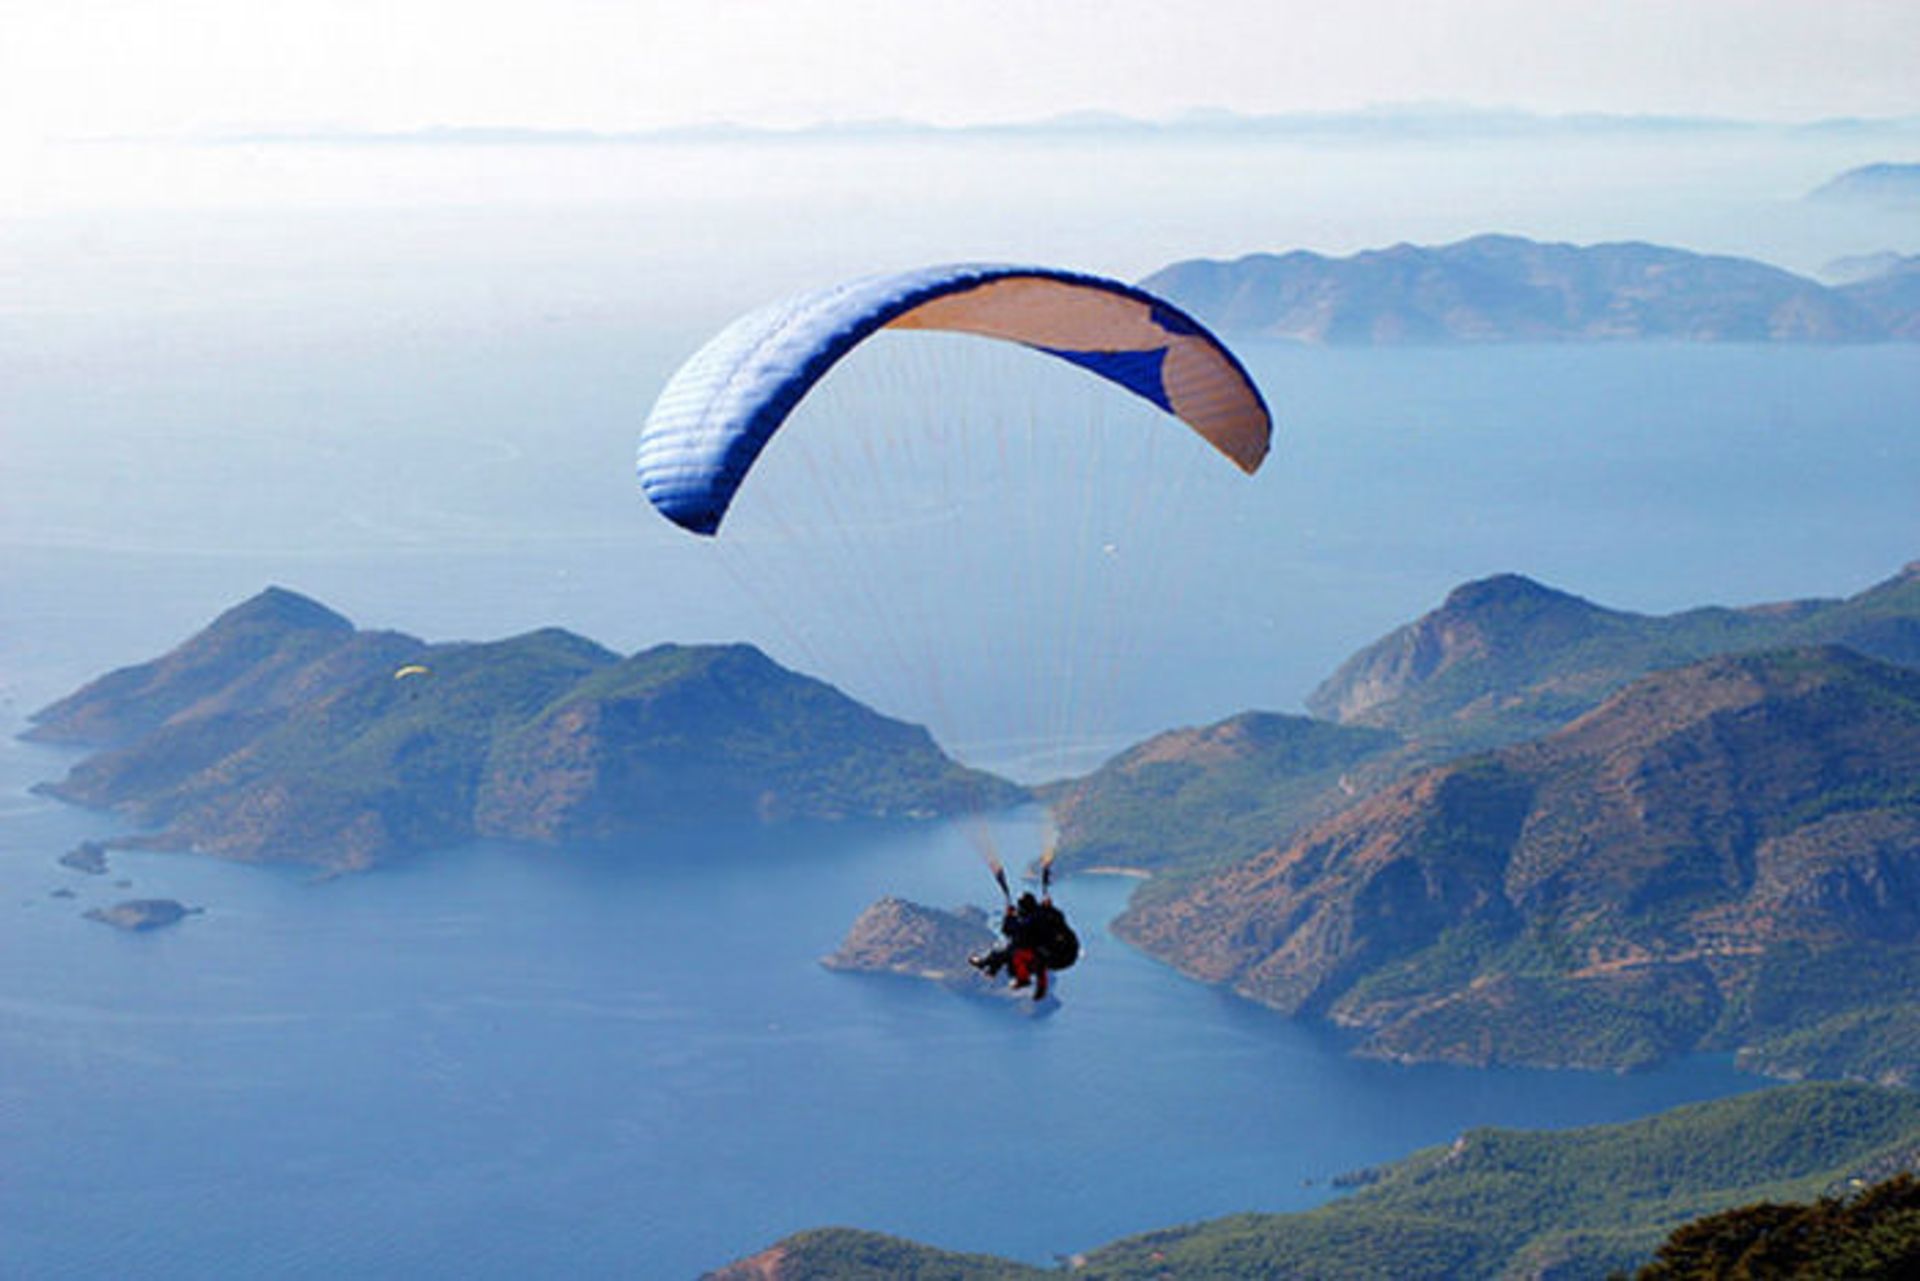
pixel 358 369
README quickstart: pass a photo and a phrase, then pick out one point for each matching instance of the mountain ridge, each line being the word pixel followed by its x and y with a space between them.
pixel 281 733
pixel 1505 657
pixel 1662 874
pixel 1503 288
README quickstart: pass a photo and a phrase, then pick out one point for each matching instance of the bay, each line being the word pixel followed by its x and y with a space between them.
pixel 626 1061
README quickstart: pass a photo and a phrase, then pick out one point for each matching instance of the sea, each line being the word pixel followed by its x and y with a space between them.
pixel 406 380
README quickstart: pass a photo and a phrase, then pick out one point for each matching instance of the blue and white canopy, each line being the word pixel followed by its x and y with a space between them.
pixel 720 408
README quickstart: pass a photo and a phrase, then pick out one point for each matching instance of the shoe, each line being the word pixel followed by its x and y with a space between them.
pixel 1022 983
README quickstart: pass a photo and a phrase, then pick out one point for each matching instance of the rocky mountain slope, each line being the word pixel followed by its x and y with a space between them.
pixel 280 733
pixel 1495 288
pixel 1726 854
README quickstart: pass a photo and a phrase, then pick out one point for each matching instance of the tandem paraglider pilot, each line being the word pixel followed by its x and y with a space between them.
pixel 1038 941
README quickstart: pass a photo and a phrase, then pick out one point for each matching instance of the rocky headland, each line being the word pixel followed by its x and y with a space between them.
pixel 1725 855
pixel 1578 837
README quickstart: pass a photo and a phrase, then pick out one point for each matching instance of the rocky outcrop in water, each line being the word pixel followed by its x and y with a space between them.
pixel 909 940
pixel 88 856
pixel 142 914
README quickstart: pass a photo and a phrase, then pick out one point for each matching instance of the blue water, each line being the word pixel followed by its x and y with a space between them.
pixel 501 1062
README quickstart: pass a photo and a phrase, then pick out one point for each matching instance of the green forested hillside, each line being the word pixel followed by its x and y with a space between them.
pixel 280 733
pixel 1494 1203
pixel 1872 1233
pixel 1194 797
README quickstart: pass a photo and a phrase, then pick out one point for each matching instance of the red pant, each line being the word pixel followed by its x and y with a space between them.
pixel 1025 965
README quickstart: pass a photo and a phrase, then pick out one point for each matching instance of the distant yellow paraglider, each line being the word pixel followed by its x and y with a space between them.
pixel 412 669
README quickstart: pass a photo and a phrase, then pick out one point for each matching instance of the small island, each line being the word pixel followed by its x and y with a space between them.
pixel 898 937
pixel 88 856
pixel 143 914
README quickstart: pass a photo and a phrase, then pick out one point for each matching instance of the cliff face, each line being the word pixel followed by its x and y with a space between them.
pixel 277 735
pixel 1506 288
pixel 1650 879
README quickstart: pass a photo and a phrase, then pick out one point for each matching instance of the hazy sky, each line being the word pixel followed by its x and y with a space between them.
pixel 92 67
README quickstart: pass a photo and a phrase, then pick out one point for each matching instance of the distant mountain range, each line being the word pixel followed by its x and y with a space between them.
pixel 1881 184
pixel 1491 1204
pixel 282 733
pixel 1401 120
pixel 1857 267
pixel 1495 288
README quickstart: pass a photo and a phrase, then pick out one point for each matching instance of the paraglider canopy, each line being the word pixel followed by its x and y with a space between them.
pixel 724 404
